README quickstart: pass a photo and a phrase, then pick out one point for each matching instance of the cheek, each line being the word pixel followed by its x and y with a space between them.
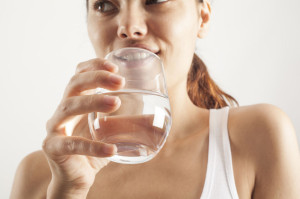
pixel 177 28
pixel 101 36
pixel 178 33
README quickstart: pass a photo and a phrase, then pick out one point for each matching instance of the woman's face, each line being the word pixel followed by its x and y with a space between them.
pixel 168 28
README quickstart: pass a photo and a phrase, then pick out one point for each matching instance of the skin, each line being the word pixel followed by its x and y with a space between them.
pixel 264 149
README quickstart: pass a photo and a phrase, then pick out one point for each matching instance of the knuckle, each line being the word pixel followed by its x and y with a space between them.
pixel 83 146
pixel 94 63
pixel 98 101
pixel 49 126
pixel 106 62
pixel 69 146
pixel 106 75
pixel 74 79
pixel 91 101
pixel 66 106
pixel 91 149
pixel 95 148
pixel 80 66
pixel 47 145
pixel 98 77
pixel 98 148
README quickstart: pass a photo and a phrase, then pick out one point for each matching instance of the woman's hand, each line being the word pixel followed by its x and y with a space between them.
pixel 74 161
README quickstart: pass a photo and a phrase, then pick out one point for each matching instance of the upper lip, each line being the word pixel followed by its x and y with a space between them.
pixel 146 47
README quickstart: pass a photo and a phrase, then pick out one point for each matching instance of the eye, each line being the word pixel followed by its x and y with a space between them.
pixel 104 6
pixel 149 2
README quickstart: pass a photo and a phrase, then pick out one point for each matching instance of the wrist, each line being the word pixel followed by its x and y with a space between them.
pixel 63 190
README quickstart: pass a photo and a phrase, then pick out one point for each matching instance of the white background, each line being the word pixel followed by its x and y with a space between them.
pixel 252 52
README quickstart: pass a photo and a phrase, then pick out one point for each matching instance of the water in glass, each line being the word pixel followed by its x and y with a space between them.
pixel 139 128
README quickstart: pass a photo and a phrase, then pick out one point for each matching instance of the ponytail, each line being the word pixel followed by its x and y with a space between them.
pixel 203 91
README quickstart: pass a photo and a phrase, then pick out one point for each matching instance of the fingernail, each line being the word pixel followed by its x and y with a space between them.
pixel 110 66
pixel 116 79
pixel 110 149
pixel 111 100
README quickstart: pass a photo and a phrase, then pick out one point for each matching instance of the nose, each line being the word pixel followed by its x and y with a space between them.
pixel 132 24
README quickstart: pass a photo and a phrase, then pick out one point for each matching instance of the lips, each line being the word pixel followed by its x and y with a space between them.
pixel 146 47
pixel 150 48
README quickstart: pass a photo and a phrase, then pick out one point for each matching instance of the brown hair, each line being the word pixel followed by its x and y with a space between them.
pixel 202 90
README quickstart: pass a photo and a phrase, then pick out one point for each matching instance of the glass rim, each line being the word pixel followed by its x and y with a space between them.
pixel 133 48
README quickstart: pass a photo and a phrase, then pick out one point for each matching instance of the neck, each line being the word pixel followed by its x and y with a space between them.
pixel 187 119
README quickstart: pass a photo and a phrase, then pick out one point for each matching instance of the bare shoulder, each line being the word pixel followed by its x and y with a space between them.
pixel 261 123
pixel 266 136
pixel 32 177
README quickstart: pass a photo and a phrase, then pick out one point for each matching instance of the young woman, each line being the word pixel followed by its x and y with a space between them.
pixel 212 151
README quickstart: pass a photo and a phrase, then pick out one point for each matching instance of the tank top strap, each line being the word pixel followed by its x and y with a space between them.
pixel 219 180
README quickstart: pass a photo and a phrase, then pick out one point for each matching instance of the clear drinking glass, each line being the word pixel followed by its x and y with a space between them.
pixel 140 127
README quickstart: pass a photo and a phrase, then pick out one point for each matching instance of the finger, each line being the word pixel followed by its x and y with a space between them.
pixel 96 64
pixel 79 105
pixel 72 145
pixel 91 80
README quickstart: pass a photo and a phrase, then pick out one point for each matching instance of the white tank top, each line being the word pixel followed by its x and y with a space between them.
pixel 219 180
